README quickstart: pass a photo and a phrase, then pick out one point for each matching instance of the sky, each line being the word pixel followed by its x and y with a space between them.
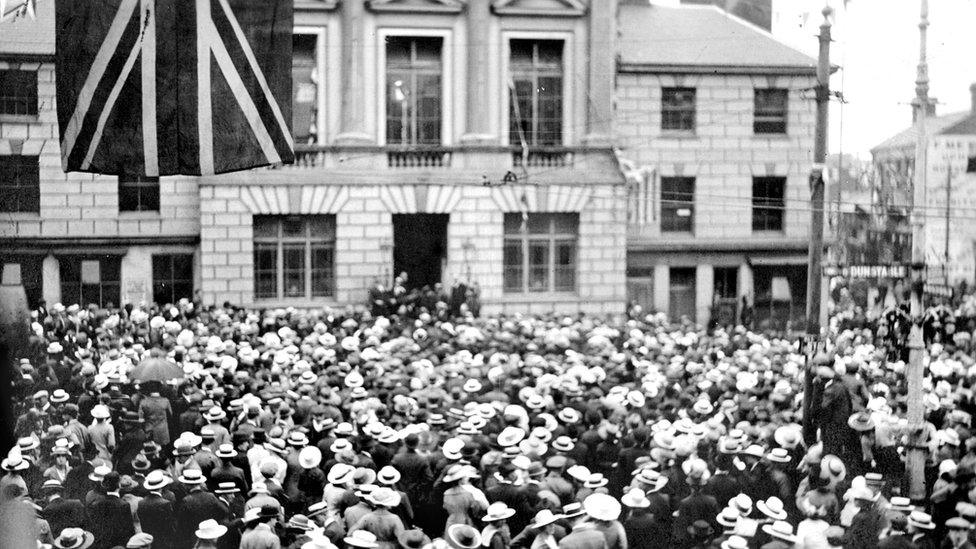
pixel 876 42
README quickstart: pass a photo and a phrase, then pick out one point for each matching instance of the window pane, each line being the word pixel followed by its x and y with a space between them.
pixel 539 223
pixel 550 111
pixel 565 266
pixel 513 223
pixel 322 270
pixel 678 109
pixel 512 262
pixel 770 108
pixel 521 113
pixel 265 226
pixel 18 92
pixel 321 227
pixel 161 267
pixel 767 203
pixel 138 193
pixel 677 203
pixel 19 184
pixel 293 227
pixel 429 109
pixel 265 271
pixel 413 90
pixel 293 256
pixel 304 87
pixel 565 223
pixel 538 266
pixel 182 266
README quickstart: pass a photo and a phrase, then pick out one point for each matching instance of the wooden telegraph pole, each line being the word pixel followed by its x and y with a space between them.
pixel 815 267
pixel 914 372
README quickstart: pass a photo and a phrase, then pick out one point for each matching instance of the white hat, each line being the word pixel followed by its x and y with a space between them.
pixel 602 507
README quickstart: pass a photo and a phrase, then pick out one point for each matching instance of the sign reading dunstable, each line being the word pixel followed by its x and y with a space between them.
pixel 867 271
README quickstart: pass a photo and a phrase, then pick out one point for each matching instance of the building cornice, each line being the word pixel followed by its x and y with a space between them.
pixel 27 57
pixel 316 5
pixel 766 246
pixel 432 6
pixel 663 68
pixel 559 8
pixel 94 244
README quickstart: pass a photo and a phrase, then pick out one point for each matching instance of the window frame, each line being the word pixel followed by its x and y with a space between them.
pixel 671 205
pixel 30 98
pixel 535 71
pixel 22 191
pixel 766 204
pixel 137 184
pixel 971 164
pixel 447 79
pixel 68 262
pixel 524 240
pixel 674 109
pixel 280 241
pixel 415 69
pixel 170 281
pixel 766 119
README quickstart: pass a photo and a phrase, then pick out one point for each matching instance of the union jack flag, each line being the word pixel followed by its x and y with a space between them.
pixel 166 87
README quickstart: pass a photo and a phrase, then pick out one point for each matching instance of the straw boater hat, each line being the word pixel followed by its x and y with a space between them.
pixel 388 475
pixel 156 480
pixel 299 522
pixel 215 413
pixel 596 480
pixel 361 538
pixel 340 473
pixel 413 539
pixel 498 511
pixel 780 529
pixel 562 444
pixel 544 517
pixel 728 517
pixel 309 457
pixel 779 455
pixel 602 507
pixel 861 422
pixel 735 542
pixel 139 541
pixel 192 476
pixel 74 538
pixel 462 536
pixel 227 488
pixel 923 521
pixel 635 499
pixel 772 508
pixel 384 497
pixel 210 529
pixel 788 436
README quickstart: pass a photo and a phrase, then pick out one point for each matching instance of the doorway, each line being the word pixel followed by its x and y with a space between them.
pixel 420 247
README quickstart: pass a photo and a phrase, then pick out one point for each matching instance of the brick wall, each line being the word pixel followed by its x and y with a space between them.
pixel 723 153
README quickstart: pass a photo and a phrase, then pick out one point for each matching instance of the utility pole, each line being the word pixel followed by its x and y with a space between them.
pixel 916 345
pixel 815 269
pixel 945 268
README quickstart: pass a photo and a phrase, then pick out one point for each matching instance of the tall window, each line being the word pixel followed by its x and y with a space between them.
pixel 294 256
pixel 678 109
pixel 413 90
pixel 20 186
pixel 138 193
pixel 536 111
pixel 768 203
pixel 971 164
pixel 18 92
pixel 769 110
pixel 304 88
pixel 172 277
pixel 91 279
pixel 540 252
pixel 677 204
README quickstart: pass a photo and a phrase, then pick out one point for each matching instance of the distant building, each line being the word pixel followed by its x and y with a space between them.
pixel 719 125
pixel 950 179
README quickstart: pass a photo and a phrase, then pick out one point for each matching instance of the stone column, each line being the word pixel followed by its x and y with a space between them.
pixel 745 283
pixel 477 129
pixel 51 280
pixel 601 72
pixel 704 292
pixel 352 123
pixel 662 288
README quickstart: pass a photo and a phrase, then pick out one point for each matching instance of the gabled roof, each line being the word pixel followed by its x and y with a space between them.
pixel 26 36
pixel 957 123
pixel 656 37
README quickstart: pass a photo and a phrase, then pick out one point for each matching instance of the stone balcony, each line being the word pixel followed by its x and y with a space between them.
pixel 488 165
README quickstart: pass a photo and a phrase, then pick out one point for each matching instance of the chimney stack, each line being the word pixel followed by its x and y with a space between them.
pixel 972 97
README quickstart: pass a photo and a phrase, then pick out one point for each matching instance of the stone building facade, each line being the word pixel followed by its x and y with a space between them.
pixel 719 128
pixel 452 140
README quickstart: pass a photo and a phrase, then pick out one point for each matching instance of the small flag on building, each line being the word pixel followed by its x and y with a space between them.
pixel 193 87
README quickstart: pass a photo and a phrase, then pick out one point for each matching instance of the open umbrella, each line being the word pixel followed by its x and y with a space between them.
pixel 156 369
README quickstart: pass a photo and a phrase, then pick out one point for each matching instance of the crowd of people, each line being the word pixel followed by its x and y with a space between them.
pixel 426 427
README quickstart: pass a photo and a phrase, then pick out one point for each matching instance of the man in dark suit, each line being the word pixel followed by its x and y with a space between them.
pixel 155 511
pixel 226 471
pixel 197 506
pixel 416 476
pixel 61 513
pixel 109 517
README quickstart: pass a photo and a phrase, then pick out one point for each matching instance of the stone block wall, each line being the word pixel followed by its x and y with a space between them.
pixel 723 153
pixel 364 239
